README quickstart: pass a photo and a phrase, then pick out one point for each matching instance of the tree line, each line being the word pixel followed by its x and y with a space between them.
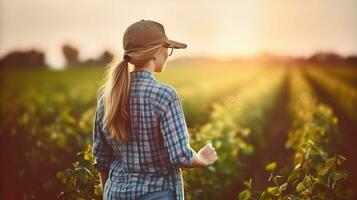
pixel 35 58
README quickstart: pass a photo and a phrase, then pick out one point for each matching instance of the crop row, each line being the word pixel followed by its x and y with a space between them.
pixel 342 93
pixel 314 172
pixel 235 129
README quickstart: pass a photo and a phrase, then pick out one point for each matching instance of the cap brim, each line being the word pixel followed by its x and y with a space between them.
pixel 176 45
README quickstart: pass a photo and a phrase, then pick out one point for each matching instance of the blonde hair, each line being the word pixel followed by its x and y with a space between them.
pixel 116 92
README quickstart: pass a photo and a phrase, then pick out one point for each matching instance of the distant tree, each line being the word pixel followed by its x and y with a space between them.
pixel 71 55
pixel 105 58
pixel 351 60
pixel 325 58
pixel 27 59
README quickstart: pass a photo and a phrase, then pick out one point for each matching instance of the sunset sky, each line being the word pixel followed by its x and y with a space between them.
pixel 223 28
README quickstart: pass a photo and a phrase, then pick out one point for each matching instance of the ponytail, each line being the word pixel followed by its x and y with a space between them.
pixel 116 101
pixel 116 93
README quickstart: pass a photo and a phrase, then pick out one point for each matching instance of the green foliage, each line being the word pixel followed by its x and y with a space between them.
pixel 235 128
pixel 47 116
pixel 316 174
pixel 81 181
pixel 344 94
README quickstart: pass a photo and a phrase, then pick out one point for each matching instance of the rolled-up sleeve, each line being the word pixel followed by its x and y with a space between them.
pixel 101 149
pixel 175 134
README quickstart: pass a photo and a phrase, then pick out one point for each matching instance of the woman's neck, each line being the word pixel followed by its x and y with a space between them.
pixel 150 66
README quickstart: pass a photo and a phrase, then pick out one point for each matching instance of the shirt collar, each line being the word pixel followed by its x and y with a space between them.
pixel 142 74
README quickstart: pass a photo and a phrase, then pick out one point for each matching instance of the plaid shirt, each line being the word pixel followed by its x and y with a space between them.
pixel 152 161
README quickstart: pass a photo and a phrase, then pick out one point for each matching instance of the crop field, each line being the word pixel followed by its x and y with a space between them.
pixel 280 132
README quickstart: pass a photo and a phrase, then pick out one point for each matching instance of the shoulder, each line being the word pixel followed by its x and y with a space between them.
pixel 163 92
pixel 168 90
pixel 163 95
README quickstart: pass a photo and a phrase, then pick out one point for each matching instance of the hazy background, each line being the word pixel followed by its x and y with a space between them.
pixel 210 28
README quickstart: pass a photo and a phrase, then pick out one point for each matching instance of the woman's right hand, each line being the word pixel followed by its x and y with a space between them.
pixel 207 155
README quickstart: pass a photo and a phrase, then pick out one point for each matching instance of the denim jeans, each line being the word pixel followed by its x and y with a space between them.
pixel 159 195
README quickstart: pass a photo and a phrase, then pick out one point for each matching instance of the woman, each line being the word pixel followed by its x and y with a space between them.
pixel 140 137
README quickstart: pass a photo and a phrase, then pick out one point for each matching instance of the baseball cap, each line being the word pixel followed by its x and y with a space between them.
pixel 144 34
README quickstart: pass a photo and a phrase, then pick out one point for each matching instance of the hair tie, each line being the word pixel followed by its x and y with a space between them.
pixel 126 57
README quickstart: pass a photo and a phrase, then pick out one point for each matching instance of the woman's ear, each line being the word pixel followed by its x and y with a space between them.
pixel 155 56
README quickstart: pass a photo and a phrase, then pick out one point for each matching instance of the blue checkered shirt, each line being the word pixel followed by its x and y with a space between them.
pixel 152 161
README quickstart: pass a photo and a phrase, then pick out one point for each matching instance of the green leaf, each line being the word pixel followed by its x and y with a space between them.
pixel 87 155
pixel 336 176
pixel 308 181
pixel 265 196
pixel 248 183
pixel 98 190
pixel 300 187
pixel 273 190
pixel 294 175
pixel 271 166
pixel 244 195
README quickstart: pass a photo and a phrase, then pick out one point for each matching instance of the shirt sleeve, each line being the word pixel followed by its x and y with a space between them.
pixel 101 149
pixel 175 134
